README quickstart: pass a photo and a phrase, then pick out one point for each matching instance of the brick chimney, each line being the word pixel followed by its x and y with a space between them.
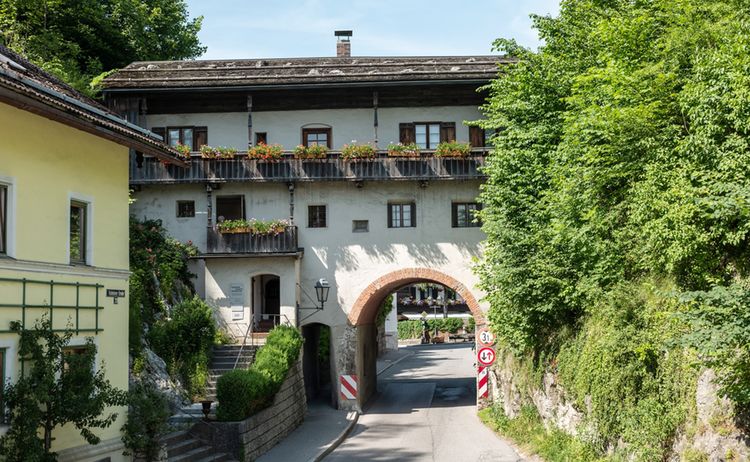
pixel 343 43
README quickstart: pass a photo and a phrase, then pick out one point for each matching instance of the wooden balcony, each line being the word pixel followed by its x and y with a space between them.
pixel 333 168
pixel 243 244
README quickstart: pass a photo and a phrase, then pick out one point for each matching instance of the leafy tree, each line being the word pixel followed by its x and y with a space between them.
pixel 79 39
pixel 57 388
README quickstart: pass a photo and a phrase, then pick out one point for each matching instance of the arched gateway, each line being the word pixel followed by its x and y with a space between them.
pixel 362 323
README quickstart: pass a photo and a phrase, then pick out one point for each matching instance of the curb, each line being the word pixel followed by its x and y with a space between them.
pixel 353 417
pixel 394 363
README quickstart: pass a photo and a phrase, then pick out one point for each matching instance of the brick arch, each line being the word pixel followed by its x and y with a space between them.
pixel 366 307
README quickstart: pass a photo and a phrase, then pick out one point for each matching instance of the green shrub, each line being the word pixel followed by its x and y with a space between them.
pixel 242 393
pixel 185 342
pixel 245 392
pixel 409 329
pixel 148 413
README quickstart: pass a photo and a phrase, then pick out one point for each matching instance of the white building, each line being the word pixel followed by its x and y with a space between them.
pixel 367 226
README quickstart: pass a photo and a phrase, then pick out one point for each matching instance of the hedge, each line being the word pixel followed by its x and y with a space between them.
pixel 243 392
pixel 413 328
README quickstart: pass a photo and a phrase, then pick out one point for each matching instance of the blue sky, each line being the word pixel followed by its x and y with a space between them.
pixel 289 28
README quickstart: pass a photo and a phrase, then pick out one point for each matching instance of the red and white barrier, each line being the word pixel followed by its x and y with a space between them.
pixel 348 386
pixel 482 382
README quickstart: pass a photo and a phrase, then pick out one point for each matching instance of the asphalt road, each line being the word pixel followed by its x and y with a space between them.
pixel 425 411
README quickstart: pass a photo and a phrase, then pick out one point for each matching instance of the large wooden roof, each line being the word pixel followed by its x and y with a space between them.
pixel 301 72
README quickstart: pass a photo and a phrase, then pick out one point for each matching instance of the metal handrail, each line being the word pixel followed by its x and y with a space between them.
pixel 249 331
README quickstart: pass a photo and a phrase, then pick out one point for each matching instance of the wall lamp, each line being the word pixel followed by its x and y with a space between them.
pixel 322 287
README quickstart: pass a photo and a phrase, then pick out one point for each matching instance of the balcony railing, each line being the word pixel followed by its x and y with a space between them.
pixel 247 243
pixel 382 167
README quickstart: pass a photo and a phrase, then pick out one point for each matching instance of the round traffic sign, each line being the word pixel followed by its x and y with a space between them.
pixel 486 337
pixel 486 356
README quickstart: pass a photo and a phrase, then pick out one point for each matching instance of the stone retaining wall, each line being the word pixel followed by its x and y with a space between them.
pixel 251 438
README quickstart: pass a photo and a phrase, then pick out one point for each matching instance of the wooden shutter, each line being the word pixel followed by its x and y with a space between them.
pixel 476 137
pixel 447 131
pixel 413 214
pixel 406 133
pixel 454 215
pixel 390 215
pixel 200 137
pixel 161 131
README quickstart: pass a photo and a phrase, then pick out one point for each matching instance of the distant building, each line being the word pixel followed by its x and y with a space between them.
pixel 368 226
pixel 64 226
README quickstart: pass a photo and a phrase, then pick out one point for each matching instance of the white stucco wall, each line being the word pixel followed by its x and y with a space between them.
pixel 285 127
pixel 350 261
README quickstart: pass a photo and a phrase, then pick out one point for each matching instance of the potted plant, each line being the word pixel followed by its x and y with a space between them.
pixel 220 152
pixel 315 151
pixel 184 150
pixel 357 151
pixel 453 149
pixel 266 152
pixel 233 226
pixel 403 150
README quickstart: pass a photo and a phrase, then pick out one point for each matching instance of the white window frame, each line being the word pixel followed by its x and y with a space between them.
pixel 10 225
pixel 89 202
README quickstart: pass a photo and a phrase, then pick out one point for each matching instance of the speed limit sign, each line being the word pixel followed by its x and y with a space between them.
pixel 486 337
pixel 486 356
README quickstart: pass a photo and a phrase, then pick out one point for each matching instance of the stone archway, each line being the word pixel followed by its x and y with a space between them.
pixel 366 307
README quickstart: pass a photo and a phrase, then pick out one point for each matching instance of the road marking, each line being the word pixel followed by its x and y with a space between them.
pixel 348 386
pixel 482 382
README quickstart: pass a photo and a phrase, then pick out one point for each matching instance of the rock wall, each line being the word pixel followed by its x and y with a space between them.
pixel 256 435
pixel 154 372
pixel 714 437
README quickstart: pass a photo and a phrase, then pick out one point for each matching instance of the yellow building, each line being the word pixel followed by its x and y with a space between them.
pixel 64 226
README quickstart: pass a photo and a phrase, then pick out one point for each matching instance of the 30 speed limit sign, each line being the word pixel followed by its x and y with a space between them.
pixel 486 337
pixel 486 356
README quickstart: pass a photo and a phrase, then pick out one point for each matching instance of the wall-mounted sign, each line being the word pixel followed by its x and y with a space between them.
pixel 115 294
pixel 486 337
pixel 237 301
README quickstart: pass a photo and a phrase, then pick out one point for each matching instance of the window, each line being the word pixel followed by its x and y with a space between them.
pixel 185 209
pixel 360 226
pixel 73 354
pixel 427 135
pixel 321 136
pixel 316 216
pixel 402 215
pixel 78 222
pixel 261 138
pixel 464 213
pixel 194 137
pixel 230 208
pixel 3 219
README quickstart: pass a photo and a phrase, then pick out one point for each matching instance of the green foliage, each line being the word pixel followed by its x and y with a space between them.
pixel 385 309
pixel 527 428
pixel 471 325
pixel 413 328
pixel 242 393
pixel 245 392
pixel 158 266
pixel 404 150
pixel 324 344
pixel 619 169
pixel 56 389
pixel 453 149
pixel 78 40
pixel 357 151
pixel 148 413
pixel 184 342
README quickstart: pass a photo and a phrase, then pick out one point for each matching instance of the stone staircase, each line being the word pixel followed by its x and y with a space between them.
pixel 224 359
pixel 183 447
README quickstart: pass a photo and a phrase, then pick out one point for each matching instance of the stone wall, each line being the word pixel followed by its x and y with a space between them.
pixel 254 436
pixel 714 437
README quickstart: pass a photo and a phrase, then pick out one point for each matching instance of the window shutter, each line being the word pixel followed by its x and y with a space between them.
pixel 454 215
pixel 161 131
pixel 390 215
pixel 406 133
pixel 476 137
pixel 447 131
pixel 200 137
pixel 413 214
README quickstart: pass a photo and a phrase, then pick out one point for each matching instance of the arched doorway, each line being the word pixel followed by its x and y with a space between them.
pixel 365 311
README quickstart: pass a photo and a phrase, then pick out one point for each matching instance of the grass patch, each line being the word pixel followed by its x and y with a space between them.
pixel 527 431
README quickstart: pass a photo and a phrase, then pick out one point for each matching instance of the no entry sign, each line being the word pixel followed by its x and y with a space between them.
pixel 486 337
pixel 486 356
